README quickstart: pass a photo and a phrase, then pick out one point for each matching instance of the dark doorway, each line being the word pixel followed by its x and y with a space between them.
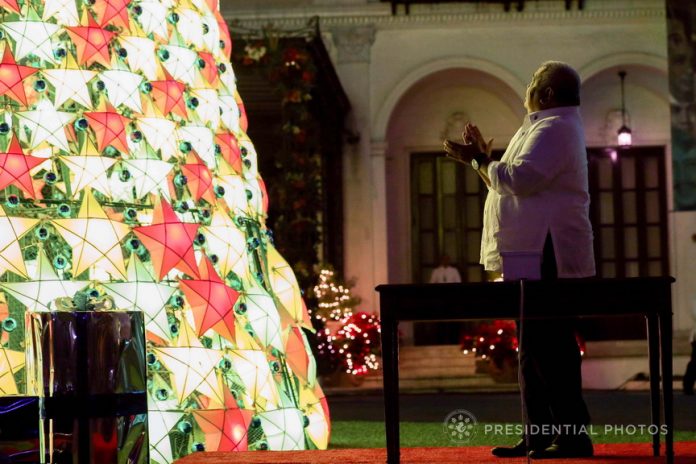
pixel 628 211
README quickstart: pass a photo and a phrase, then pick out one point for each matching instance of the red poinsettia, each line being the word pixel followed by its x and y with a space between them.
pixel 357 343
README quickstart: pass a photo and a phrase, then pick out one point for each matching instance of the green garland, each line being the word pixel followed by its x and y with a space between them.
pixel 295 183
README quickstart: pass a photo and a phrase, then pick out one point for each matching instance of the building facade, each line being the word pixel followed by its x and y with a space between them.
pixel 414 79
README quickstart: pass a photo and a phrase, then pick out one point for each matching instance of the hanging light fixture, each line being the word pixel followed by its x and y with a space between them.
pixel 624 132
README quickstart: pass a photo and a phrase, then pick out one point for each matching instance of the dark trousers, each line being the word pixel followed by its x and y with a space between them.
pixel 550 377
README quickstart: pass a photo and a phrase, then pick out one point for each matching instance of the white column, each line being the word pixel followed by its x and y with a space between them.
pixel 353 67
pixel 378 151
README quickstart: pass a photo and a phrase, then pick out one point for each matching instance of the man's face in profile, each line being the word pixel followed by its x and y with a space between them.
pixel 531 101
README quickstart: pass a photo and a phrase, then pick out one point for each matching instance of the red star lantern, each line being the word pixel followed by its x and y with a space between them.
pixel 225 429
pixel 10 5
pixel 211 301
pixel 92 43
pixel 15 167
pixel 243 121
pixel 200 180
pixel 12 77
pixel 169 241
pixel 209 71
pixel 168 95
pixel 225 38
pixel 110 128
pixel 229 149
pixel 296 353
pixel 112 11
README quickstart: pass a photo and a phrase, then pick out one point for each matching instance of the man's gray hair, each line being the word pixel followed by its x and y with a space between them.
pixel 564 80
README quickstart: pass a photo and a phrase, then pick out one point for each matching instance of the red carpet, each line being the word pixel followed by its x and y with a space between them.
pixel 611 453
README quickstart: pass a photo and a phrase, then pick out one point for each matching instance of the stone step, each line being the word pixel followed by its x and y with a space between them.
pixel 430 351
pixel 438 372
pixel 644 385
pixel 476 381
pixel 444 383
pixel 416 362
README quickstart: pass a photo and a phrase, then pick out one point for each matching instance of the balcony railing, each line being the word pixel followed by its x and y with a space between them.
pixel 507 4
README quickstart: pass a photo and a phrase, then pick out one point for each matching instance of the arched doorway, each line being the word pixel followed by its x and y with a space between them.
pixel 434 205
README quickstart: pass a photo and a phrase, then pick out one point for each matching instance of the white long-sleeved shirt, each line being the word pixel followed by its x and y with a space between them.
pixel 442 275
pixel 540 186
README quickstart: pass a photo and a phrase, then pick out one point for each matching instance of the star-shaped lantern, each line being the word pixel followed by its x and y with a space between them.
pixel 12 77
pixel 284 428
pixel 160 133
pixel 181 63
pixel 32 36
pixel 11 230
pixel 38 294
pixel 228 243
pixel 88 169
pixel 252 368
pixel 149 176
pixel 210 70
pixel 114 12
pixel 154 17
pixel 191 25
pixel 63 11
pixel 285 287
pixel 46 124
pixel 230 151
pixel 110 128
pixel 229 113
pixel 92 42
pixel 202 139
pixel 193 369
pixel 159 424
pixel 169 241
pixel 123 88
pixel 10 362
pixel 211 301
pixel 225 429
pixel 70 82
pixel 263 316
pixel 142 293
pixel 15 168
pixel 140 50
pixel 208 109
pixel 200 180
pixel 316 409
pixel 10 5
pixel 168 95
pixel 297 351
pixel 94 238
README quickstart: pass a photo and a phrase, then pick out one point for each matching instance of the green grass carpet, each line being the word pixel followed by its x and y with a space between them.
pixel 364 434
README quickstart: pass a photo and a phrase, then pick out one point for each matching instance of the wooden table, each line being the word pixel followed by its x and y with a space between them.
pixel 650 297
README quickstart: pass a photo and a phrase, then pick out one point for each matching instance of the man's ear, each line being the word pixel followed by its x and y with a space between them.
pixel 547 96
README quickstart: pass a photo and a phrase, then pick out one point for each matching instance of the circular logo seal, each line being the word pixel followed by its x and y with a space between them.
pixel 459 426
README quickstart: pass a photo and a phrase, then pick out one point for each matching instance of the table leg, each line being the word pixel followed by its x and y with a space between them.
pixel 390 360
pixel 654 362
pixel 666 348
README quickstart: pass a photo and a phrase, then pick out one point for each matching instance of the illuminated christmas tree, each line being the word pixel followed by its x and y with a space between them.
pixel 345 340
pixel 126 171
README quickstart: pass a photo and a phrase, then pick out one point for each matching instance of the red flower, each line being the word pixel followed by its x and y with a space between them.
pixel 290 54
pixel 293 96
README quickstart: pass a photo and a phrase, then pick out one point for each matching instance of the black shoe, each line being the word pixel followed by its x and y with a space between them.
pixel 575 446
pixel 518 451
